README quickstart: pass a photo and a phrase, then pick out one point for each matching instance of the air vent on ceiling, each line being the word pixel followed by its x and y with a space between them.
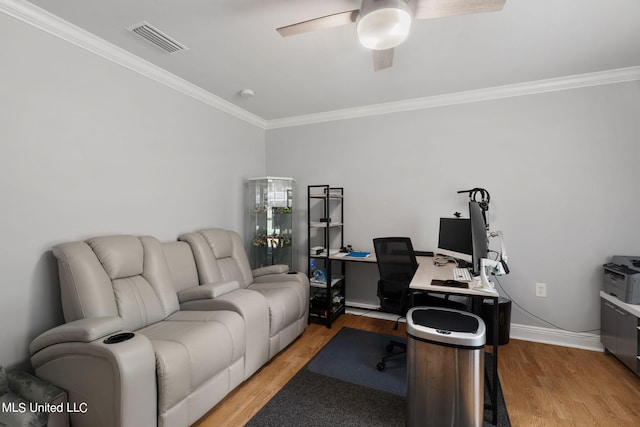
pixel 157 37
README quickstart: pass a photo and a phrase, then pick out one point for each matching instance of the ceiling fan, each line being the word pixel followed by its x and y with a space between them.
pixel 384 24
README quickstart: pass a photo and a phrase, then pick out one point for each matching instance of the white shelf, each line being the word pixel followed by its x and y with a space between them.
pixel 321 224
pixel 324 196
pixel 316 284
pixel 333 254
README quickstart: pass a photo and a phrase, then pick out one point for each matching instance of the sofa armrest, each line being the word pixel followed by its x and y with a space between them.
pixel 208 291
pixel 301 278
pixel 270 269
pixel 111 383
pixel 82 330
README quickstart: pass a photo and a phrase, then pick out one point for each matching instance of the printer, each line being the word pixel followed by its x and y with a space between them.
pixel 622 278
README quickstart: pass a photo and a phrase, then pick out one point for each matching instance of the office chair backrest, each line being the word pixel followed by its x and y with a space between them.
pixel 396 259
pixel 396 264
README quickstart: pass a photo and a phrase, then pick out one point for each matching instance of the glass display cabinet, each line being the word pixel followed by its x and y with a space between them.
pixel 270 222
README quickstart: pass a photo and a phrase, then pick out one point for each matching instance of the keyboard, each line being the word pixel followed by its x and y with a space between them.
pixel 462 274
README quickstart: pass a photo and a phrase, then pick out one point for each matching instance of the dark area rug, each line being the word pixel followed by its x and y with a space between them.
pixel 341 386
pixel 358 353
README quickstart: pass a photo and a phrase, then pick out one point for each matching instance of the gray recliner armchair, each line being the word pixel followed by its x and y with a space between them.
pixel 220 257
pixel 28 401
pixel 221 295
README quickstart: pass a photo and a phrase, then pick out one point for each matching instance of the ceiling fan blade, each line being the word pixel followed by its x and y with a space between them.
pixel 382 59
pixel 426 9
pixel 329 21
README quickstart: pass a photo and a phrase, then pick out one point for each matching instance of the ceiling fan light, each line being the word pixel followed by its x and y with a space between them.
pixel 384 28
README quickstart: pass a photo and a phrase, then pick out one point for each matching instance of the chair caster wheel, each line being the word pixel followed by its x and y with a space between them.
pixel 380 366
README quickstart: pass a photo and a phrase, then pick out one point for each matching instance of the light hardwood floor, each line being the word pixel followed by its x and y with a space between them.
pixel 543 385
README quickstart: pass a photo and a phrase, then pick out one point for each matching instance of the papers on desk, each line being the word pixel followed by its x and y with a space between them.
pixel 358 255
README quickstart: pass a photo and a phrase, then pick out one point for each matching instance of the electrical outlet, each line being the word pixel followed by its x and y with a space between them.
pixel 541 290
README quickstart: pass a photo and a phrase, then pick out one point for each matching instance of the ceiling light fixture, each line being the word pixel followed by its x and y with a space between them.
pixel 383 24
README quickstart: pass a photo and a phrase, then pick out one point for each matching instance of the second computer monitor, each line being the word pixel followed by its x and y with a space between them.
pixel 454 239
pixel 479 238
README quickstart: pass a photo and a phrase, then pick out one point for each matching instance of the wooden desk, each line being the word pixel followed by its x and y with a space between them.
pixel 426 273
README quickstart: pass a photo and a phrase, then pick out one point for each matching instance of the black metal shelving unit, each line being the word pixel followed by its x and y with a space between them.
pixel 325 214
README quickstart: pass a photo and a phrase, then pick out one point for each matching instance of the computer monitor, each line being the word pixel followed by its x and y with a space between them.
pixel 479 239
pixel 454 238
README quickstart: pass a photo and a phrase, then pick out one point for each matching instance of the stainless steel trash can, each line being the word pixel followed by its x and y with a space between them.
pixel 445 367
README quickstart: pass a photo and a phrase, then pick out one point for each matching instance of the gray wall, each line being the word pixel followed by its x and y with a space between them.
pixel 561 167
pixel 88 147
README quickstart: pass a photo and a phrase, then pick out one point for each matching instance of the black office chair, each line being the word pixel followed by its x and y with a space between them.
pixel 397 264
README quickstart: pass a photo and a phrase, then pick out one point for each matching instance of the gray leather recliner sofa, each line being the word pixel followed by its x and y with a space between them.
pixel 147 341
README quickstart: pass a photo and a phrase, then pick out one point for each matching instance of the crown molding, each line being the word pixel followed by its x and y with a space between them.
pixel 519 89
pixel 45 21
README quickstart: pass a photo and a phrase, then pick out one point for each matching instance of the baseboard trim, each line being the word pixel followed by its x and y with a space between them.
pixel 559 337
pixel 373 313
pixel 363 305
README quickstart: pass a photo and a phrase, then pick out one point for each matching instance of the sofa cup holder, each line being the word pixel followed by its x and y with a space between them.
pixel 114 339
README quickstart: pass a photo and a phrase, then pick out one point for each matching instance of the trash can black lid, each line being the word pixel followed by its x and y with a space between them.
pixel 447 320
